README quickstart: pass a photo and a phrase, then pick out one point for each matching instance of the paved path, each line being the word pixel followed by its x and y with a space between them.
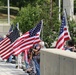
pixel 9 69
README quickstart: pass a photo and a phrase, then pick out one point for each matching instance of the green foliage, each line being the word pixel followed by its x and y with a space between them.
pixel 1 3
pixel 35 11
pixel 72 29
pixel 18 3
pixel 28 17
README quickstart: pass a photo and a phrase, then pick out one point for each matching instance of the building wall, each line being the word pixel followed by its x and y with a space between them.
pixel 57 62
pixel 69 6
pixel 4 28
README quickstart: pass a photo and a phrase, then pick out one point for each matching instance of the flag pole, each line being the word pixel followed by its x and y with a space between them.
pixel 8 12
pixel 68 22
pixel 18 26
pixel 42 28
pixel 19 56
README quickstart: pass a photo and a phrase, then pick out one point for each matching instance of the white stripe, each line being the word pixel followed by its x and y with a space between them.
pixel 23 48
pixel 6 55
pixel 60 42
pixel 25 43
pixel 20 50
pixel 4 49
pixel 4 42
pixel 4 46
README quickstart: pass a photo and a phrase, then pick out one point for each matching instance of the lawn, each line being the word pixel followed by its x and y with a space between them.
pixel 4 14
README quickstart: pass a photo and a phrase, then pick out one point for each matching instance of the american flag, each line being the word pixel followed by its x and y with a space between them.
pixel 11 28
pixel 27 40
pixel 64 33
pixel 7 43
pixel 26 58
pixel 6 40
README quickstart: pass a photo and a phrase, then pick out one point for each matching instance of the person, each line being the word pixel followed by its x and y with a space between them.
pixel 33 66
pixel 1 38
pixel 46 45
pixel 74 47
pixel 69 46
pixel 36 58
pixel 19 61
pixel 36 51
pixel 30 66
pixel 9 59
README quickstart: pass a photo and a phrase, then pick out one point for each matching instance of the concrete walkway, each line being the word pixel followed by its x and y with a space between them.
pixel 9 69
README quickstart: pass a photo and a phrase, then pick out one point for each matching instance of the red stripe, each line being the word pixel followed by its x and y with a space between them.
pixel 5 41
pixel 65 37
pixel 5 48
pixel 6 45
pixel 7 52
pixel 61 45
pixel 59 40
pixel 25 43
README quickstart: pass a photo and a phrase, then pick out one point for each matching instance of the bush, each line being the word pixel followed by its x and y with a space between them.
pixel 28 17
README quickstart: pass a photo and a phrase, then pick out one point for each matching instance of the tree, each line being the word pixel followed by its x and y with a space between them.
pixel 22 3
pixel 3 2
pixel 72 29
pixel 18 3
pixel 30 15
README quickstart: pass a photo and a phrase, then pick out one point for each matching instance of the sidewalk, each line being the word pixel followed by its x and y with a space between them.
pixel 9 69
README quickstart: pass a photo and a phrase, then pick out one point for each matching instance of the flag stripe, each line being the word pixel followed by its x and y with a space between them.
pixel 6 51
pixel 1 42
pixel 6 45
pixel 7 54
pixel 25 44
pixel 4 42
pixel 64 34
pixel 26 41
pixel 21 50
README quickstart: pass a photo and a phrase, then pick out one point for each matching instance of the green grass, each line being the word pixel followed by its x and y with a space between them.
pixel 4 15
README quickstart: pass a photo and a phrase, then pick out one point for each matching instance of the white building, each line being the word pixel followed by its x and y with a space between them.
pixel 69 6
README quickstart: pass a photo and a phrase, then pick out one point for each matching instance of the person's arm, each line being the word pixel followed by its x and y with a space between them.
pixel 74 49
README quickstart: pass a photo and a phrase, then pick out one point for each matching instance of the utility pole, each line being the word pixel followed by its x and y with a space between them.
pixel 59 10
pixel 8 11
